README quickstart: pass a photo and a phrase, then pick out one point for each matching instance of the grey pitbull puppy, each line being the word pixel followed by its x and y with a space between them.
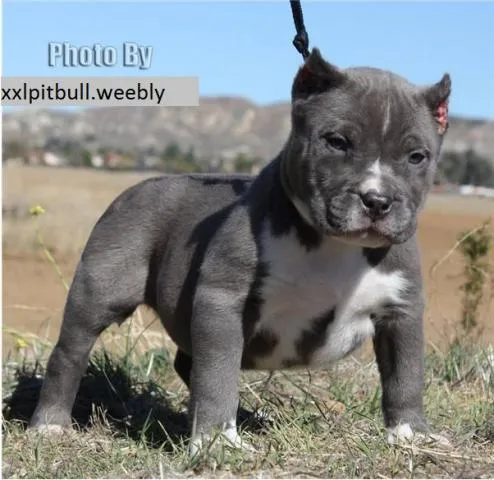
pixel 293 268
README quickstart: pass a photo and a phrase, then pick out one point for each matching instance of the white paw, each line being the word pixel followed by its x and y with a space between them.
pixel 400 433
pixel 49 430
pixel 235 440
pixel 228 437
pixel 403 433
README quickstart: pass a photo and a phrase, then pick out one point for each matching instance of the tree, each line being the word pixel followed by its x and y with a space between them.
pixel 478 170
pixel 87 158
pixel 13 149
pixel 190 157
pixel 172 151
pixel 468 168
pixel 243 163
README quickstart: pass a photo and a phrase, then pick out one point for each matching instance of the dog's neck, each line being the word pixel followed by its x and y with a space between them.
pixel 300 207
pixel 270 198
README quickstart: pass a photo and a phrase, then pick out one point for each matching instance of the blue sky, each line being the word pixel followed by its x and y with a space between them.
pixel 244 48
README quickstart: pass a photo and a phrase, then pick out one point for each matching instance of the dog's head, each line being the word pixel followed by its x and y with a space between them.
pixel 363 150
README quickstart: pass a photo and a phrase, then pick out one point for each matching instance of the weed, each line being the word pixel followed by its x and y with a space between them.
pixel 475 247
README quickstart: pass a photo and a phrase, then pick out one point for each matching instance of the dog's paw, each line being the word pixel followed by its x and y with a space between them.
pixel 234 440
pixel 400 433
pixel 404 434
pixel 49 430
pixel 228 437
pixel 205 444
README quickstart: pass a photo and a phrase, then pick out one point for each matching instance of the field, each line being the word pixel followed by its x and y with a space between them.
pixel 326 424
pixel 34 295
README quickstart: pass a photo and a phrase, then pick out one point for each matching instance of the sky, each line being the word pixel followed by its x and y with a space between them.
pixel 245 48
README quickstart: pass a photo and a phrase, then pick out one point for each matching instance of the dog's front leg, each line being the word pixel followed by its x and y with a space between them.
pixel 399 348
pixel 217 345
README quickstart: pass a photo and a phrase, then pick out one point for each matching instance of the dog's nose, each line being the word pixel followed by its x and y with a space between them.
pixel 377 205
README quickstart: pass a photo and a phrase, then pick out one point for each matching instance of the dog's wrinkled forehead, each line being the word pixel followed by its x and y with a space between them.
pixel 373 101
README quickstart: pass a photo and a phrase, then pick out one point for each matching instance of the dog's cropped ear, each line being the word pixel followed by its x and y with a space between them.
pixel 316 76
pixel 437 98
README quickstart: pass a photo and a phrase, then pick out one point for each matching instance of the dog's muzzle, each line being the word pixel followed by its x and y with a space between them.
pixel 376 205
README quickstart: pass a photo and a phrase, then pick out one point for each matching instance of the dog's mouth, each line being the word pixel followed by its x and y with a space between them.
pixel 351 224
pixel 347 219
pixel 366 237
pixel 368 233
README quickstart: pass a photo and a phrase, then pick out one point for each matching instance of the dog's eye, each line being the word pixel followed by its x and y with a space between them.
pixel 337 141
pixel 418 157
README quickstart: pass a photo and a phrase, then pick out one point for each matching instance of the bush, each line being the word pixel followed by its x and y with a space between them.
pixel 467 168
pixel 475 247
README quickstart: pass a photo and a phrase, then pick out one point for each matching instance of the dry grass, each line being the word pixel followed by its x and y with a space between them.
pixel 130 413
pixel 74 199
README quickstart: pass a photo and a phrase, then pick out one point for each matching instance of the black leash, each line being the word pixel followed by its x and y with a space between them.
pixel 301 40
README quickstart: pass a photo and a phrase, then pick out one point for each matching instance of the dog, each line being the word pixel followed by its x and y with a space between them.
pixel 293 268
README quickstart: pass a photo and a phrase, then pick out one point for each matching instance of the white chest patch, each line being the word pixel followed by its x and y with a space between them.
pixel 302 286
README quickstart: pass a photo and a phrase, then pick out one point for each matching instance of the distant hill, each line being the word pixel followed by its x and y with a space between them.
pixel 221 127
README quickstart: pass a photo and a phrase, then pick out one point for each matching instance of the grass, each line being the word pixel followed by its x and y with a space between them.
pixel 131 423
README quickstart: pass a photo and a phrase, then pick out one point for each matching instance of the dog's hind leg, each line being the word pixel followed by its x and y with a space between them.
pixel 108 285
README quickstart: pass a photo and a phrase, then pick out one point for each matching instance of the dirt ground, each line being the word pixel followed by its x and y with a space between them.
pixel 34 294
